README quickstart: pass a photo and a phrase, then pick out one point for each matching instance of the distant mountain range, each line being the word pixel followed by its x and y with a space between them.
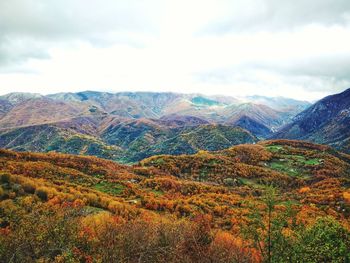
pixel 21 109
pixel 129 126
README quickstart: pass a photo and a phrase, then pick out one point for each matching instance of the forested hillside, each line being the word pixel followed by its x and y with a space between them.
pixel 273 201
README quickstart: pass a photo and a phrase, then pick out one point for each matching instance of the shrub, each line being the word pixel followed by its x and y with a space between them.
pixel 5 178
pixel 29 188
pixel 42 193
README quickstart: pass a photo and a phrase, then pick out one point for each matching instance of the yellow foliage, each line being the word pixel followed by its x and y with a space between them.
pixel 7 206
pixel 27 201
pixel 97 220
pixel 92 199
pixel 116 207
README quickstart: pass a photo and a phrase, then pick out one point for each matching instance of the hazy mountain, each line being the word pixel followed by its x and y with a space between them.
pixel 129 126
pixel 35 111
pixel 327 122
pixel 217 109
pixel 18 97
pixel 123 104
pixel 280 103
pixel 18 109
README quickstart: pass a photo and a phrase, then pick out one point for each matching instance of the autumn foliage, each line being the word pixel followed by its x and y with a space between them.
pixel 206 207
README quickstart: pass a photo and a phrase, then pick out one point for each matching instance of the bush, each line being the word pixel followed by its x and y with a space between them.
pixel 42 194
pixel 29 188
pixel 5 178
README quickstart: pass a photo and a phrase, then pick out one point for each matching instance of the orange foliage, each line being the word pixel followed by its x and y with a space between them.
pixel 304 190
pixel 346 196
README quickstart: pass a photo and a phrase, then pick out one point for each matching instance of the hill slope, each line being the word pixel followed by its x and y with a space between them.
pixel 122 140
pixel 92 208
pixel 144 138
pixel 239 170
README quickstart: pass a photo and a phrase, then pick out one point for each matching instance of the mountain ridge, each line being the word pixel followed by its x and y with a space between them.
pixel 327 121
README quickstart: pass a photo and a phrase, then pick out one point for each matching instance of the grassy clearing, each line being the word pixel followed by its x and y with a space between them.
pixel 110 188
pixel 313 161
pixel 301 160
pixel 285 167
pixel 293 165
pixel 274 148
pixel 158 161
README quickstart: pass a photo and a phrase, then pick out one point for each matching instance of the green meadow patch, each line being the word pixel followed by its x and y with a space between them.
pixel 274 148
pixel 109 188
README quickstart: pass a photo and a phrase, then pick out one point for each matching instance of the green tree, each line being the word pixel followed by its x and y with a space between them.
pixel 266 229
pixel 326 241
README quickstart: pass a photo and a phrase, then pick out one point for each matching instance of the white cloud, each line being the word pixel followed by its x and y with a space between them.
pixel 54 46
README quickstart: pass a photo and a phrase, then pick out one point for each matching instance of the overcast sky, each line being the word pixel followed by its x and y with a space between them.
pixel 298 48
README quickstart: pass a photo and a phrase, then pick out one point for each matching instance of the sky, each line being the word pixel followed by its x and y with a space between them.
pixel 291 48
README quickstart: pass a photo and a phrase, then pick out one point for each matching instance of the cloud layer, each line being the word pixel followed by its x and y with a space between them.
pixel 276 15
pixel 295 48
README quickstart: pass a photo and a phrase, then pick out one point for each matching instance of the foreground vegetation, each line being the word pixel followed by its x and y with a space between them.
pixel 277 201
